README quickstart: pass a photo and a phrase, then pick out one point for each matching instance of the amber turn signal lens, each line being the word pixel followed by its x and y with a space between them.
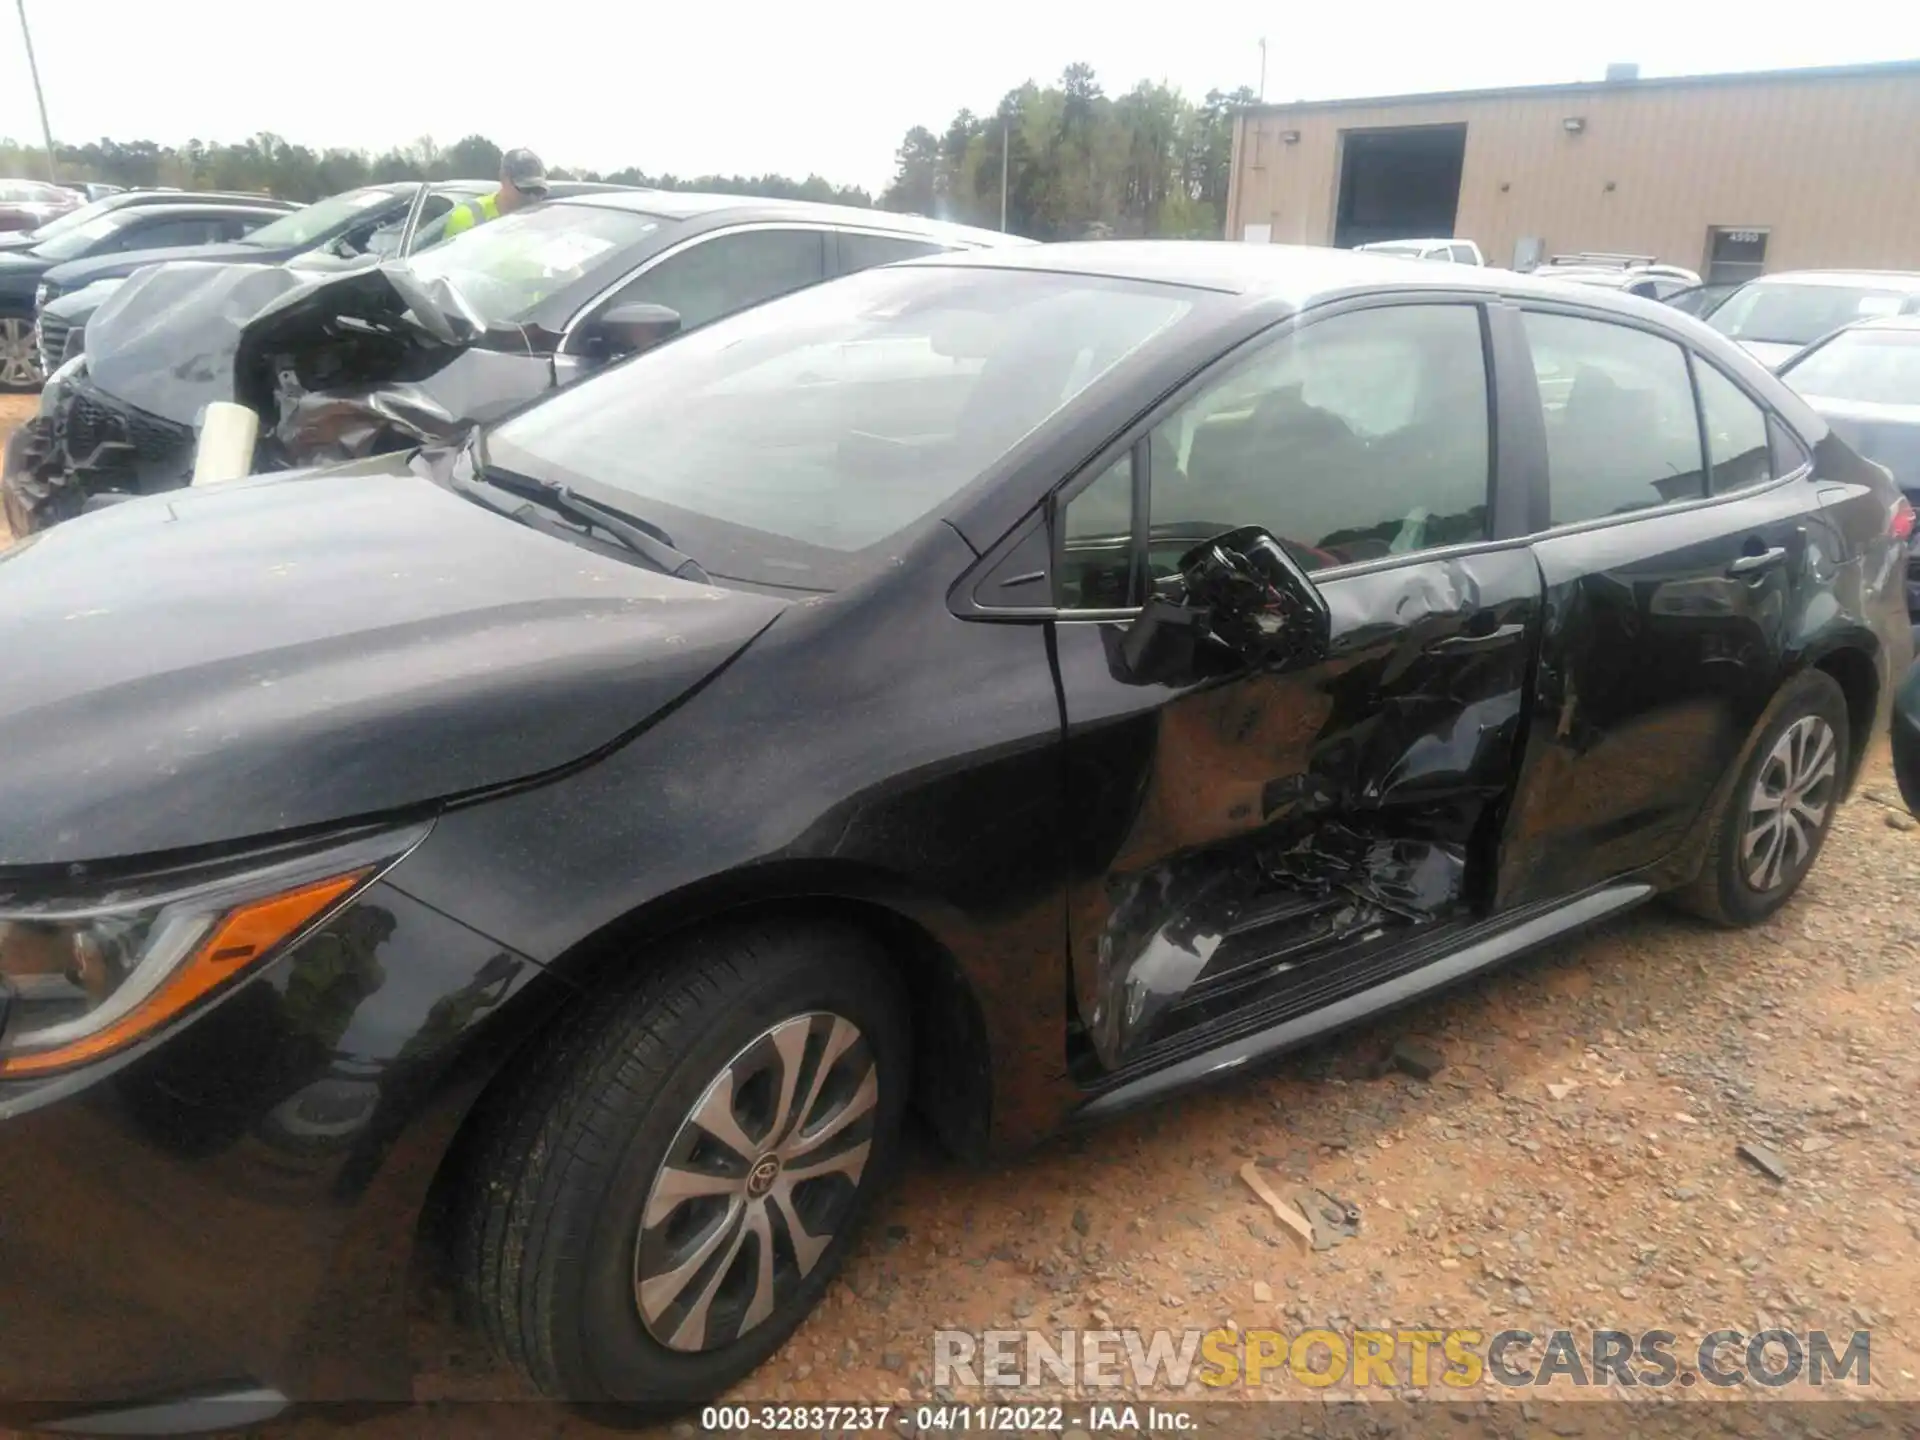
pixel 243 937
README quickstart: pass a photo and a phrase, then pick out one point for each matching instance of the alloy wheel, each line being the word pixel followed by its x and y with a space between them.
pixel 758 1180
pixel 1793 794
pixel 19 359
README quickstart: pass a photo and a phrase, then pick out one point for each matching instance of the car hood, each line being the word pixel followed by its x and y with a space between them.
pixel 416 360
pixel 1889 435
pixel 293 651
pixel 163 340
pixel 20 272
pixel 74 273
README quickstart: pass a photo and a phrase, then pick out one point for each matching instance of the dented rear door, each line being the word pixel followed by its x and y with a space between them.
pixel 1251 846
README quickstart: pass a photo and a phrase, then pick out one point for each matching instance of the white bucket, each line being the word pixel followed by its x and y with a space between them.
pixel 225 448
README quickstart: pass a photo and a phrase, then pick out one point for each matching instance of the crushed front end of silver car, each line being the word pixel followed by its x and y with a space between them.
pixel 338 365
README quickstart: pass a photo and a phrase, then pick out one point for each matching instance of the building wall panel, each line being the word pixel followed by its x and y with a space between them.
pixel 1828 165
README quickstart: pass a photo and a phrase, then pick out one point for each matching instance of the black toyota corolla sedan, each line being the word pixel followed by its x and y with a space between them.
pixel 1012 684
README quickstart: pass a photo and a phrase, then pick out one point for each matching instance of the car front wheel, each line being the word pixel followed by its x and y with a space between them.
pixel 1772 827
pixel 675 1187
pixel 19 356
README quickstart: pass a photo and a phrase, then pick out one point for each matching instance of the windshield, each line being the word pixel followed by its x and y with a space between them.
pixel 83 237
pixel 1871 367
pixel 1783 313
pixel 320 219
pixel 61 224
pixel 508 266
pixel 778 445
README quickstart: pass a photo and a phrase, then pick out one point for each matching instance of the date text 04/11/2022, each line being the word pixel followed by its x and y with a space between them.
pixel 974 1419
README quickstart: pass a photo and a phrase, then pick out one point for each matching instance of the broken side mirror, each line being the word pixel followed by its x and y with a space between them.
pixel 629 329
pixel 1239 598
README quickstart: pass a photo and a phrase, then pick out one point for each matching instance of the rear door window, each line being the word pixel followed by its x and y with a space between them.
pixel 167 234
pixel 1622 430
pixel 1738 452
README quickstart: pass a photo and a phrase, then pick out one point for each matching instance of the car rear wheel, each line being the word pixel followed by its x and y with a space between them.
pixel 675 1187
pixel 1772 827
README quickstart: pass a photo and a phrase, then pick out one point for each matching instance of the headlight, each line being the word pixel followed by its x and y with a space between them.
pixel 42 293
pixel 79 981
pixel 52 387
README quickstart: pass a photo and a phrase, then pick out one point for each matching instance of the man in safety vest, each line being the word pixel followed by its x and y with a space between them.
pixel 523 179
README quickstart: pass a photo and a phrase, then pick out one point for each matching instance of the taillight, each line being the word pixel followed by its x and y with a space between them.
pixel 1901 524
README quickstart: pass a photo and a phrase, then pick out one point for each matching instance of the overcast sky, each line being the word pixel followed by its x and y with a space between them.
pixel 746 86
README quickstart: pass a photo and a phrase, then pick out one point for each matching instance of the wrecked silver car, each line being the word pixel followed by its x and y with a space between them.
pixel 378 357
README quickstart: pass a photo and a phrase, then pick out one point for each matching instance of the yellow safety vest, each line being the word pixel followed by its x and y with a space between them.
pixel 474 212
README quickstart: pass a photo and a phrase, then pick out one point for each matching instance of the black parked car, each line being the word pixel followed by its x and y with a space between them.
pixel 1017 683
pixel 365 359
pixel 149 229
pixel 122 199
pixel 1777 315
pixel 1906 739
pixel 1864 379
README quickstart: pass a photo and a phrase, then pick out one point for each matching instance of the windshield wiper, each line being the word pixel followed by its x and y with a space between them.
pixel 637 535
pixel 646 540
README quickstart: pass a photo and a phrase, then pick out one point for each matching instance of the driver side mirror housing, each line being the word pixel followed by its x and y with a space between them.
pixel 629 329
pixel 1239 602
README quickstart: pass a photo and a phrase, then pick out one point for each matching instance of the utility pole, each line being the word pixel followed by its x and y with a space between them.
pixel 1263 69
pixel 1006 150
pixel 39 95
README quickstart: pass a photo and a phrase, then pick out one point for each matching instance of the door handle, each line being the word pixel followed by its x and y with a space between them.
pixel 1467 644
pixel 1756 564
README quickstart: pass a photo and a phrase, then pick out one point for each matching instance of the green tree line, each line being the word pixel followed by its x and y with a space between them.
pixel 270 164
pixel 1078 162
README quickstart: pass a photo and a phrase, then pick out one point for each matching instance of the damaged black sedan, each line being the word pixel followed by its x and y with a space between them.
pixel 1014 684
pixel 363 359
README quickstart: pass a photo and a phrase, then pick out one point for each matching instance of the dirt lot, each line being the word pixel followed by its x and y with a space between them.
pixel 1572 1165
pixel 13 409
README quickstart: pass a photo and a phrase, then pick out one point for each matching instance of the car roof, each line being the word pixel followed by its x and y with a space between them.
pixel 1908 280
pixel 1298 275
pixel 123 199
pixel 190 209
pixel 692 204
pixel 1909 323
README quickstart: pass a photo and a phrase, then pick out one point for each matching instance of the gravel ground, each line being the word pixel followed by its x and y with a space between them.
pixel 1573 1165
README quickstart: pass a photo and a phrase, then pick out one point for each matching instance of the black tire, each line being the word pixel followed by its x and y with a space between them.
pixel 1726 892
pixel 551 1248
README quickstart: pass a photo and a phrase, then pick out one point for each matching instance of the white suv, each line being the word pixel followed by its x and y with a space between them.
pixel 1460 252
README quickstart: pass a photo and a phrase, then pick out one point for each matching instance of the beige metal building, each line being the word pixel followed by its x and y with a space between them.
pixel 1724 174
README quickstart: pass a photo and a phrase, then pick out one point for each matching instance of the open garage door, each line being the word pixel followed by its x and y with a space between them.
pixel 1398 184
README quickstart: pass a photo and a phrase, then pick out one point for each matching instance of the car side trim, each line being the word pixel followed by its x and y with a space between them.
pixel 1216 1063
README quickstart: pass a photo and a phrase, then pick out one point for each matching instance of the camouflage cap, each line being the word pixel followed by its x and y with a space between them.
pixel 524 169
